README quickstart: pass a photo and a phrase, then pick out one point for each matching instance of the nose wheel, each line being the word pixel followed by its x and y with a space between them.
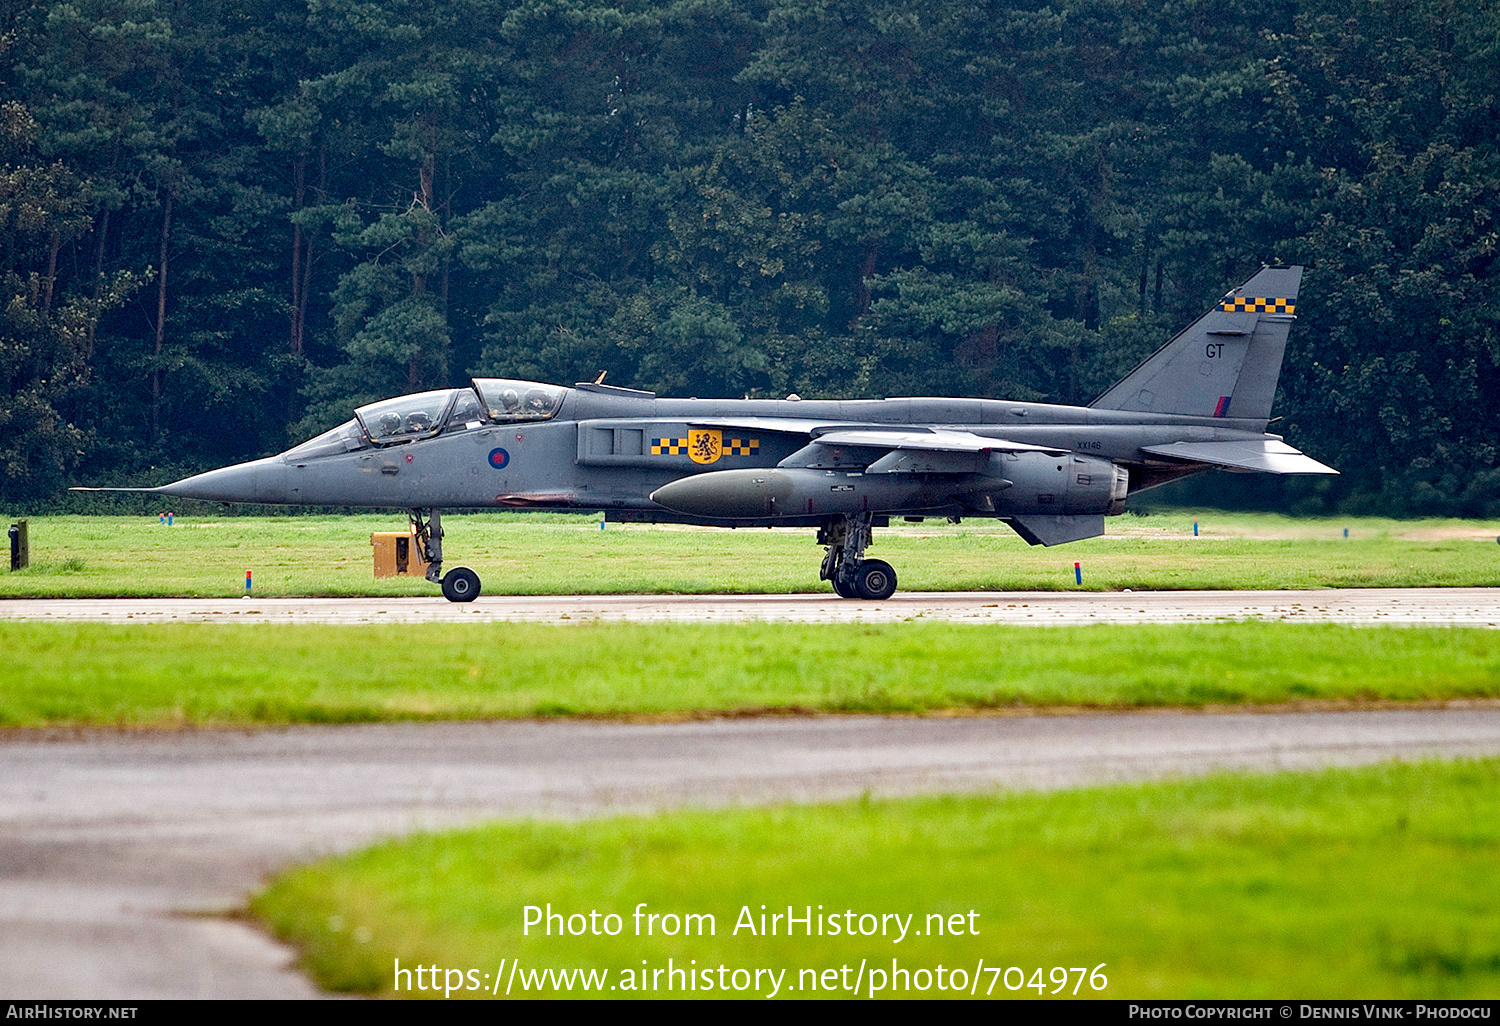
pixel 459 584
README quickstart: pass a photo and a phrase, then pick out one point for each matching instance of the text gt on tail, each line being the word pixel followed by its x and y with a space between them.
pixel 1201 401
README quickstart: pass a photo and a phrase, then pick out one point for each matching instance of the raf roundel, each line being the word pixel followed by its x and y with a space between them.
pixel 499 458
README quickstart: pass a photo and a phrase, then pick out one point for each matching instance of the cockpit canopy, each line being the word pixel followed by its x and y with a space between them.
pixel 424 414
pixel 509 402
pixel 410 416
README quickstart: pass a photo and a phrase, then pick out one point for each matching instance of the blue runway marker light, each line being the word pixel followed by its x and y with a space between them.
pixel 601 523
pixel 247 582
pixel 161 518
pixel 1195 528
pixel 169 518
pixel 1078 573
pixel 1346 532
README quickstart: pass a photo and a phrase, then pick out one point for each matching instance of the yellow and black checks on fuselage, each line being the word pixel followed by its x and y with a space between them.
pixel 1247 304
pixel 704 446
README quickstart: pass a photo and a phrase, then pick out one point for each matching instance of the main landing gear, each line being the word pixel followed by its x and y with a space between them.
pixel 844 565
pixel 459 584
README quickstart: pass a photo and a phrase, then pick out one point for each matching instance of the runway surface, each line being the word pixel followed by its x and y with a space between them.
pixel 113 844
pixel 1432 606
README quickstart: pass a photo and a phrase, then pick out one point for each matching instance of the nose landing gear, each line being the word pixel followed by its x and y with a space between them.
pixel 459 584
pixel 844 565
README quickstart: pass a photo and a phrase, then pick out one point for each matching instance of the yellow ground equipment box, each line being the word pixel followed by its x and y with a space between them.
pixel 397 554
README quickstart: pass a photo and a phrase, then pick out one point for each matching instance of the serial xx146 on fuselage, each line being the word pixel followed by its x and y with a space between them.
pixel 1053 473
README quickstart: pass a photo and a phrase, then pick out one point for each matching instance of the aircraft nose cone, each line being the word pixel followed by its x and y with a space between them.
pixel 258 481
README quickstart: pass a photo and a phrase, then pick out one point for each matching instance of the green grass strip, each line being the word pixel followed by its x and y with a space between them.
pixel 531 554
pixel 209 674
pixel 1372 883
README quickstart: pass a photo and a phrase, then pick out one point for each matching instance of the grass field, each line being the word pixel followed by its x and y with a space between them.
pixel 170 675
pixel 1372 883
pixel 559 554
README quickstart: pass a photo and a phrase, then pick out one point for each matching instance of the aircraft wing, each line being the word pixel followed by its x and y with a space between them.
pixel 784 425
pixel 906 450
pixel 927 441
pixel 1268 456
pixel 876 436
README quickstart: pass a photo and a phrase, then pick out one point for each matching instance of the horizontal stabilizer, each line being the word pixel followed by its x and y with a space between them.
pixel 1269 456
pixel 148 491
pixel 1043 529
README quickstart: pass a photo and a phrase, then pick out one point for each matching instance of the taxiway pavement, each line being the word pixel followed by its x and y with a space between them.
pixel 114 845
pixel 1432 606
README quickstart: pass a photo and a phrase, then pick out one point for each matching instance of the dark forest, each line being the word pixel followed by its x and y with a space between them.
pixel 226 224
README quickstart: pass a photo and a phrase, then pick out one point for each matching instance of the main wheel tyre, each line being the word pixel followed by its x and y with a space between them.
pixel 460 585
pixel 844 585
pixel 875 579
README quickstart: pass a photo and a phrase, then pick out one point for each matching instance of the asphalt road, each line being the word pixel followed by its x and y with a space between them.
pixel 1470 606
pixel 113 844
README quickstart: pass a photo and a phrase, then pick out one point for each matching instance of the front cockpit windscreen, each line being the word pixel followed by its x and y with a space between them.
pixel 347 437
pixel 509 402
pixel 407 417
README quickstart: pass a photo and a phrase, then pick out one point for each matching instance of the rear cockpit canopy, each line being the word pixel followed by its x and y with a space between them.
pixel 510 402
pixel 407 418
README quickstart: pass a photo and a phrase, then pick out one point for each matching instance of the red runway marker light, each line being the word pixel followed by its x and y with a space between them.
pixel 1078 572
pixel 247 582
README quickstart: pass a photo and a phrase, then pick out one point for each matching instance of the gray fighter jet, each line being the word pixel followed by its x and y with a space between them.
pixel 1201 401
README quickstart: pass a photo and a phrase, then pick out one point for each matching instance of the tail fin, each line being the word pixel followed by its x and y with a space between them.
pixel 1224 364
